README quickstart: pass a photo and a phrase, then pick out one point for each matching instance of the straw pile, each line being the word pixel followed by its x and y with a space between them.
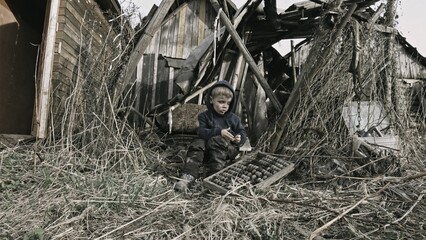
pixel 108 182
pixel 57 194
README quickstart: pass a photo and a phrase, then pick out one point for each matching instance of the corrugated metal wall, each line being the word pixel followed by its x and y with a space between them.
pixel 180 33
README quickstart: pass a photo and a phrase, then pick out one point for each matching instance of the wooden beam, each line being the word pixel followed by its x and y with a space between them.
pixel 247 56
pixel 42 109
pixel 376 16
pixel 318 2
pixel 152 27
pixel 208 72
pixel 293 61
pixel 385 29
pixel 202 21
pixel 302 83
pixel 389 73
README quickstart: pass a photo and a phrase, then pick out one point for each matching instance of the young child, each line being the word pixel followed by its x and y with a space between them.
pixel 220 135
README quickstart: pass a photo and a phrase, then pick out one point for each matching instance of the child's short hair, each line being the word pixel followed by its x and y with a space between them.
pixel 222 91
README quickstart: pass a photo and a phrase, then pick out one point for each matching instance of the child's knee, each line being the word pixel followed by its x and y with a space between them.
pixel 217 142
pixel 197 145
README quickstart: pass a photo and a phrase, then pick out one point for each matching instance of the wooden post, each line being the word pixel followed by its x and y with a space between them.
pixel 237 71
pixel 247 56
pixel 355 69
pixel 389 71
pixel 42 108
pixel 375 16
pixel 303 82
pixel 293 61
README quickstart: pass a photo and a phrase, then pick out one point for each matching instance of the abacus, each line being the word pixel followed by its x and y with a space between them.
pixel 259 169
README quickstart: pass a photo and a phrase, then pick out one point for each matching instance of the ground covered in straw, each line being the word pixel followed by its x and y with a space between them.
pixel 61 193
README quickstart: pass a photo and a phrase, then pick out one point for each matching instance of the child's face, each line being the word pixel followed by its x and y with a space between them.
pixel 221 104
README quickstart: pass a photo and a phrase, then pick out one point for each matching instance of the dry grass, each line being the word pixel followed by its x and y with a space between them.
pixel 46 194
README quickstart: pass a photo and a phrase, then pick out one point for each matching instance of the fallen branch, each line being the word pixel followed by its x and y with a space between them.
pixel 403 179
pixel 325 226
pixel 409 210
pixel 137 219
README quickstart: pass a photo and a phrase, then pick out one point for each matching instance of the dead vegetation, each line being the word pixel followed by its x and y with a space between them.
pixel 103 180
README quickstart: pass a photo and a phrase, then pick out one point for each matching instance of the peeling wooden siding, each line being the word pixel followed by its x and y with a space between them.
pixel 180 33
pixel 184 30
pixel 82 33
pixel 408 67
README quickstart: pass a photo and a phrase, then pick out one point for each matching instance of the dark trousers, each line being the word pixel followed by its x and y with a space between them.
pixel 215 155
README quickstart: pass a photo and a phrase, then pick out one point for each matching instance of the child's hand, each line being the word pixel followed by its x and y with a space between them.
pixel 227 134
pixel 237 138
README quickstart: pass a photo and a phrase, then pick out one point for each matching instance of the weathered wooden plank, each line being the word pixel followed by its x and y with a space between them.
pixel 164 38
pixel 189 20
pixel 66 15
pixel 210 17
pixel 137 88
pixel 46 73
pixel 70 40
pixel 146 88
pixel 155 70
pixel 250 89
pixel 71 36
pixel 201 21
pixel 194 31
pixel 260 123
pixel 83 21
pixel 162 81
pixel 71 32
pixel 171 83
pixel 152 27
pixel 181 33
pixel 150 47
pixel 167 47
pixel 376 16
pixel 174 37
pixel 66 59
pixel 226 62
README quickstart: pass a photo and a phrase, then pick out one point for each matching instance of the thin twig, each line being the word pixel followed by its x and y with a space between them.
pixel 409 210
pixel 325 226
pixel 137 219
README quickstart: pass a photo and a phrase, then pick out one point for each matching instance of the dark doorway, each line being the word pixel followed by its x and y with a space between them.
pixel 21 29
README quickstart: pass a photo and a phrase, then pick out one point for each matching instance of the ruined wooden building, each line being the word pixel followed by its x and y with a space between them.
pixel 190 44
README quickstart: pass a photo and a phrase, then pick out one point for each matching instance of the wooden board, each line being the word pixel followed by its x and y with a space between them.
pixel 162 81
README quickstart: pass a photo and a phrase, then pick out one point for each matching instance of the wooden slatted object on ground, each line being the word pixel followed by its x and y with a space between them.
pixel 259 169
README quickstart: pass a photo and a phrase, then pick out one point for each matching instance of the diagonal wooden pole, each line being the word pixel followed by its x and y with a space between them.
pixel 145 40
pixel 234 35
